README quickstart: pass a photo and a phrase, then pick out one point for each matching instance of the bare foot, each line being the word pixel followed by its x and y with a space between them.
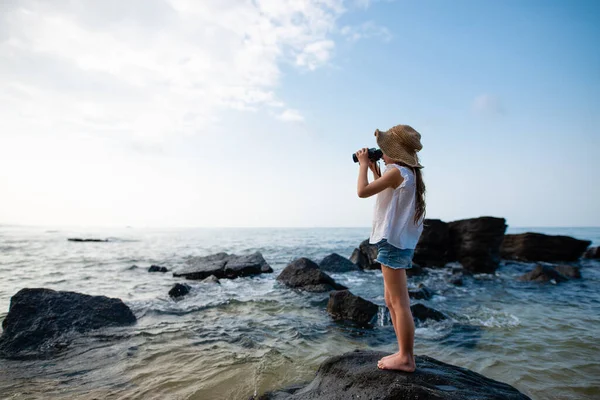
pixel 398 362
pixel 385 358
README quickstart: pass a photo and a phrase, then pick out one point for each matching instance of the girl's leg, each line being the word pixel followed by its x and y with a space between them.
pixel 395 282
pixel 388 303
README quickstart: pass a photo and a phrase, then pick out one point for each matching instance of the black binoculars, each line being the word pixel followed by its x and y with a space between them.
pixel 374 155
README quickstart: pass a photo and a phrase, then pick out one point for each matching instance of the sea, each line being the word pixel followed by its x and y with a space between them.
pixel 250 335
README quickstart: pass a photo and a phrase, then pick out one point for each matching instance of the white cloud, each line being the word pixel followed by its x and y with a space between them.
pixel 152 69
pixel 366 30
pixel 290 115
pixel 488 104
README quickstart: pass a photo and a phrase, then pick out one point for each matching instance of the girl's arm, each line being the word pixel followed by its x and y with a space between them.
pixel 392 178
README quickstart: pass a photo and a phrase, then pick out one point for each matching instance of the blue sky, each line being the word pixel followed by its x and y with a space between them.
pixel 231 113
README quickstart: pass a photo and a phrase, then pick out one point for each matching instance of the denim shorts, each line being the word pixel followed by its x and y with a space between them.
pixel 393 257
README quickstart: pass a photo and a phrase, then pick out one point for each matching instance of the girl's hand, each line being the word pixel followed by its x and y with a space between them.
pixel 363 156
pixel 374 167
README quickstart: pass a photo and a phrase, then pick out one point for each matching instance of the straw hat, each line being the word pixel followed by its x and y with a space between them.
pixel 400 143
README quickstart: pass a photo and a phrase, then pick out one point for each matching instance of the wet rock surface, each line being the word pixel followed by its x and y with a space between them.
pixel 364 256
pixel 532 246
pixel 223 265
pixel 304 274
pixel 434 243
pixel 157 268
pixel 592 253
pixel 422 313
pixel 543 273
pixel 343 305
pixel 336 264
pixel 41 321
pixel 179 290
pixel 355 375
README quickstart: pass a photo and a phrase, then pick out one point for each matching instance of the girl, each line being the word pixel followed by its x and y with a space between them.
pixel 397 225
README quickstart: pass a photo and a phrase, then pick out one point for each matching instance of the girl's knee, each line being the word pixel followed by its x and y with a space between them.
pixel 398 302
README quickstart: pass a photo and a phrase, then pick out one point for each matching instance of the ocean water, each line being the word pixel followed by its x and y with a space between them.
pixel 250 335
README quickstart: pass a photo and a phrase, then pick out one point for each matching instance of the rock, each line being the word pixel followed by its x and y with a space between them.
pixel 592 253
pixel 432 249
pixel 543 273
pixel 456 279
pixel 343 305
pixel 569 271
pixel 415 270
pixel 539 247
pixel 475 243
pixel 157 268
pixel 211 279
pixel 365 256
pixel 422 313
pixel 422 293
pixel 305 275
pixel 355 375
pixel 40 321
pixel 336 263
pixel 86 240
pixel 223 265
pixel 179 290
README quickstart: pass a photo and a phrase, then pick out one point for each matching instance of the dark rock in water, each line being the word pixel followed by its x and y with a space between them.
pixel 569 271
pixel 157 268
pixel 86 240
pixel 355 375
pixel 432 249
pixel 179 290
pixel 343 305
pixel 211 279
pixel 365 256
pixel 422 293
pixel 539 247
pixel 543 273
pixel 304 274
pixel 336 263
pixel 223 265
pixel 456 279
pixel 593 253
pixel 475 243
pixel 415 270
pixel 39 321
pixel 421 312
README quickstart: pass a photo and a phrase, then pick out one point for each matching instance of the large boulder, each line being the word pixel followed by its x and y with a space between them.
pixel 336 263
pixel 532 246
pixel 304 274
pixel 223 265
pixel 475 243
pixel 543 273
pixel 41 321
pixel 422 313
pixel 434 243
pixel 365 256
pixel 343 305
pixel 422 292
pixel 355 375
pixel 593 253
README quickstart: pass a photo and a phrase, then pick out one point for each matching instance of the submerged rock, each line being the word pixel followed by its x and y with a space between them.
pixel 421 312
pixel 592 253
pixel 343 305
pixel 539 247
pixel 211 279
pixel 179 290
pixel 223 265
pixel 86 240
pixel 355 375
pixel 569 271
pixel 304 274
pixel 39 321
pixel 434 243
pixel 365 256
pixel 336 263
pixel 543 273
pixel 421 293
pixel 157 268
pixel 475 243
pixel 456 279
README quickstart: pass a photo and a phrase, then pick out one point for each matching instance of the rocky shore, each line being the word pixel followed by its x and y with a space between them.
pixel 42 322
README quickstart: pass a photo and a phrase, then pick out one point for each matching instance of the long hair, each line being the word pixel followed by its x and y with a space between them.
pixel 420 193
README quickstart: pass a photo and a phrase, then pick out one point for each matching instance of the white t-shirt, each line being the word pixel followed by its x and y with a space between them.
pixel 394 214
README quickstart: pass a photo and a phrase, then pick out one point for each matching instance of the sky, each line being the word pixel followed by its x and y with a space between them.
pixel 232 113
